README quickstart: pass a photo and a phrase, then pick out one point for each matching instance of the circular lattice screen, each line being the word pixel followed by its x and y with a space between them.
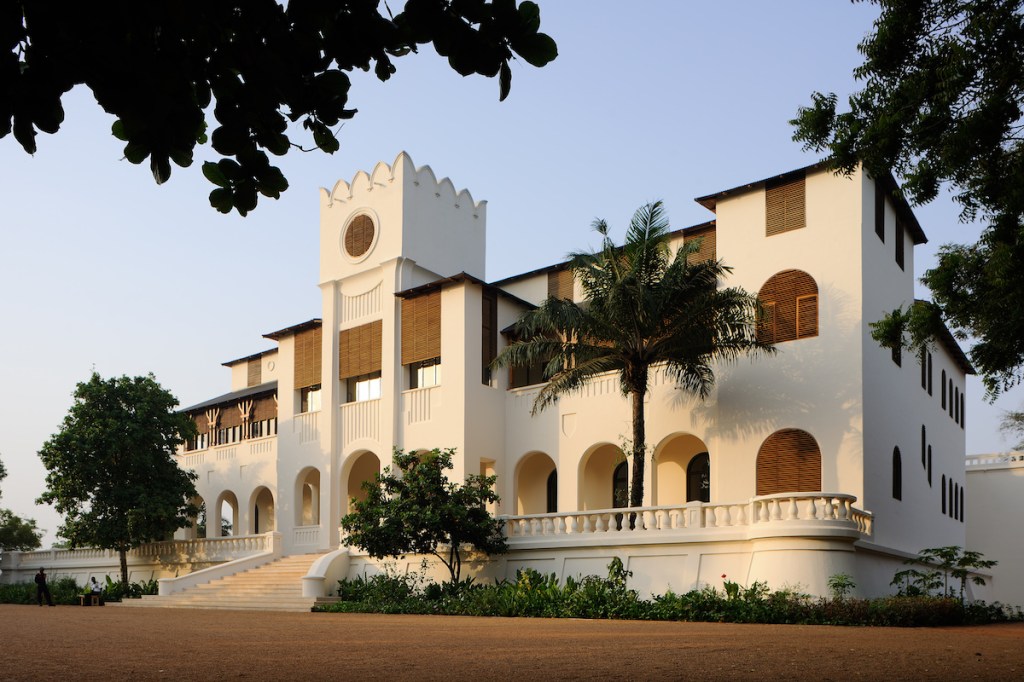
pixel 359 236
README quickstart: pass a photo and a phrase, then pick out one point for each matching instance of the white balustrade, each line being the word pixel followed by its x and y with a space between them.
pixel 226 453
pixel 360 420
pixel 307 425
pixel 306 535
pixel 831 510
pixel 262 446
pixel 193 460
pixel 420 403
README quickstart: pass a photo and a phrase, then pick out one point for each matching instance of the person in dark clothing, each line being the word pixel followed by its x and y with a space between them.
pixel 42 589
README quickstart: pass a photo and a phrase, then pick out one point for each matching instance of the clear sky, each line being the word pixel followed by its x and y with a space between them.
pixel 102 269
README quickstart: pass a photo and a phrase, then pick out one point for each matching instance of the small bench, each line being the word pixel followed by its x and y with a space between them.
pixel 90 600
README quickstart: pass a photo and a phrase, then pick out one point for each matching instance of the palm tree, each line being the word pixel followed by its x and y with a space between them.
pixel 643 308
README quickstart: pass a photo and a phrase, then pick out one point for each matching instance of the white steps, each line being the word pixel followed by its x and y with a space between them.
pixel 276 586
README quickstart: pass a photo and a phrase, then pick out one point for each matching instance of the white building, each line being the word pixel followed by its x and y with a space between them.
pixel 834 456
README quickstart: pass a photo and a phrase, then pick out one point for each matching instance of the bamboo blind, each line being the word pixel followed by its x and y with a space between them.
pixel 792 296
pixel 789 461
pixel 784 206
pixel 255 372
pixel 202 423
pixel 421 328
pixel 308 361
pixel 560 284
pixel 264 408
pixel 359 235
pixel 359 350
pixel 708 246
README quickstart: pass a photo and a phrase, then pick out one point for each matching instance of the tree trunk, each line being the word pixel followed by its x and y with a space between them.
pixel 124 563
pixel 636 488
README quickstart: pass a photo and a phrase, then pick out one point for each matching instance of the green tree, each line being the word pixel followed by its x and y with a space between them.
pixel 417 510
pixel 16 533
pixel 953 562
pixel 1013 422
pixel 257 66
pixel 111 467
pixel 942 106
pixel 643 308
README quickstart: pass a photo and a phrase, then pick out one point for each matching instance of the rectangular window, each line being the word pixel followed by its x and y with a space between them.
pixel 254 372
pixel 488 334
pixel 362 388
pixel 560 284
pixel 897 355
pixel 899 243
pixel 309 399
pixel 526 376
pixel 880 211
pixel 924 369
pixel 308 360
pixel 784 205
pixel 929 374
pixel 359 350
pixel 425 373
pixel 421 328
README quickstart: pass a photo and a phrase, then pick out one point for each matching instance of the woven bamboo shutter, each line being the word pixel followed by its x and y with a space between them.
pixel 202 424
pixel 264 408
pixel 255 372
pixel 229 416
pixel 359 350
pixel 488 333
pixel 359 236
pixel 560 284
pixel 708 246
pixel 421 328
pixel 784 290
pixel 899 243
pixel 789 461
pixel 308 345
pixel 784 206
pixel 880 211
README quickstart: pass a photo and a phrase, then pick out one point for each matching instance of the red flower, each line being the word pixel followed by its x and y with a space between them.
pixel 723 576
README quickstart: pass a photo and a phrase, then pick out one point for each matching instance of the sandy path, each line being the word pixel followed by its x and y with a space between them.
pixel 113 643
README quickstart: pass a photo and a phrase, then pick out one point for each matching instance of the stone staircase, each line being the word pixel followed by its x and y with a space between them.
pixel 276 586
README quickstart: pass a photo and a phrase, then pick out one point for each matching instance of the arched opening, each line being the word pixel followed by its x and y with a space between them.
pixel 307 497
pixel 897 475
pixel 224 517
pixel 789 307
pixel 682 471
pixel 788 461
pixel 262 506
pixel 365 467
pixel 620 486
pixel 532 484
pixel 199 523
pixel 597 473
pixel 552 496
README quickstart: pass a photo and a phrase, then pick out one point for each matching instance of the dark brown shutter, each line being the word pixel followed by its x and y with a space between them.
pixel 202 423
pixel 308 345
pixel 784 206
pixel 359 236
pixel 229 416
pixel 421 328
pixel 359 350
pixel 708 246
pixel 899 243
pixel 255 372
pixel 488 333
pixel 789 461
pixel 880 211
pixel 560 284
pixel 264 408
pixel 784 290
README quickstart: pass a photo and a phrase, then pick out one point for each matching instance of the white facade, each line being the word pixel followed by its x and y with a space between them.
pixel 296 474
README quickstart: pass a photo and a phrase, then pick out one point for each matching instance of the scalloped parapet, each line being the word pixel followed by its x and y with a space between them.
pixel 383 175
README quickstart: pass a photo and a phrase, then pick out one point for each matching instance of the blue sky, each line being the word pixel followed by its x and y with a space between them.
pixel 102 269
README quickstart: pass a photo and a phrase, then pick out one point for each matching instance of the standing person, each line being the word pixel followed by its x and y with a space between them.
pixel 42 589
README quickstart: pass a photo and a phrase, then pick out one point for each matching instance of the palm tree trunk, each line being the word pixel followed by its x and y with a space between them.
pixel 636 488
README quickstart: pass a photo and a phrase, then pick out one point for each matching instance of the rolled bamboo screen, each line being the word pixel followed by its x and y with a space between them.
pixel 560 283
pixel 255 372
pixel 308 362
pixel 421 328
pixel 359 235
pixel 359 350
pixel 708 246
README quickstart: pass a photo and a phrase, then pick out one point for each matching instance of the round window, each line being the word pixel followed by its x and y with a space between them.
pixel 359 236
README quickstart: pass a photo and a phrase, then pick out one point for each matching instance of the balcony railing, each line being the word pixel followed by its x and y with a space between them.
pixel 307 425
pixel 767 513
pixel 246 450
pixel 360 420
pixel 420 404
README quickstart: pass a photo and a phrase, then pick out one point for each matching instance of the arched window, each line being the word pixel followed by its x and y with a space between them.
pixel 788 461
pixel 942 385
pixel 897 475
pixel 956 405
pixel 956 501
pixel 552 506
pixel 963 510
pixel 789 307
pixel 620 486
pixel 698 478
pixel 924 463
pixel 950 509
pixel 951 396
pixel 943 486
pixel 929 466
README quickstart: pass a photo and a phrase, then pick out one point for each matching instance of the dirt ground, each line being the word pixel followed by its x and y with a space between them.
pixel 115 643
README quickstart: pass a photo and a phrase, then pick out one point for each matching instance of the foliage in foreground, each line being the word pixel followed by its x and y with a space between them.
pixel 66 591
pixel 532 594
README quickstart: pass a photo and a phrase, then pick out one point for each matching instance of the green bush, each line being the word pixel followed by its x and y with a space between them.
pixel 62 591
pixel 535 595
